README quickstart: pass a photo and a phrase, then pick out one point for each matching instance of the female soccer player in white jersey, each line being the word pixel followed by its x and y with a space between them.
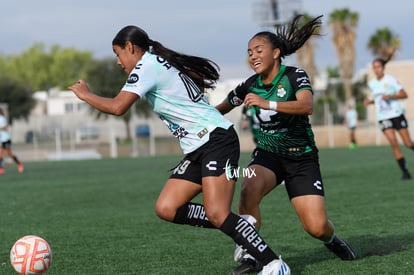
pixel 6 144
pixel 281 98
pixel 387 93
pixel 173 84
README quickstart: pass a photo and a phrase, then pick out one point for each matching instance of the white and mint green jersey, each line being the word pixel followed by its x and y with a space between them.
pixel 386 109
pixel 4 134
pixel 177 100
pixel 351 116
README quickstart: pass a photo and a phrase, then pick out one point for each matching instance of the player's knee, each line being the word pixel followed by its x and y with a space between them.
pixel 164 211
pixel 216 216
pixel 317 229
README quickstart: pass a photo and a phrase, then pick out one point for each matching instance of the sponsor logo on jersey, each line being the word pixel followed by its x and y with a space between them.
pixel 303 81
pixel 133 78
pixel 235 101
pixel 202 133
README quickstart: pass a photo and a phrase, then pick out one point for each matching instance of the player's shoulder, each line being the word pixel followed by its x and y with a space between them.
pixel 389 78
pixel 294 70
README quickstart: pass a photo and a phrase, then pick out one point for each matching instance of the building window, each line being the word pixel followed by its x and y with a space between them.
pixel 81 106
pixel 69 108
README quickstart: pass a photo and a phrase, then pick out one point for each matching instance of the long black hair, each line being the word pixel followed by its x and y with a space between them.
pixel 202 71
pixel 380 60
pixel 289 38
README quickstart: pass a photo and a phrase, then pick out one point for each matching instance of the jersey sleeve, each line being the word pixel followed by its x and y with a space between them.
pixel 299 79
pixel 237 95
pixel 141 80
pixel 395 84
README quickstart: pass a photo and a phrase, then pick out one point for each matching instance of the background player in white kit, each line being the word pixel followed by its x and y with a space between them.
pixel 387 94
pixel 5 146
pixel 351 121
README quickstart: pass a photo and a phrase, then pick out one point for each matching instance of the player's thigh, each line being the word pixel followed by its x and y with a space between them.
pixel 390 135
pixel 218 192
pixel 259 183
pixel 175 193
pixel 405 136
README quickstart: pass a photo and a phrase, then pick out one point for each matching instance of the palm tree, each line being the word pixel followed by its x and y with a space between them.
pixel 384 43
pixel 343 24
pixel 305 55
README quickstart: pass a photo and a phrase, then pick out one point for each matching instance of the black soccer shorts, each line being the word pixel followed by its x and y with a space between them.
pixel 302 174
pixel 219 155
pixel 396 123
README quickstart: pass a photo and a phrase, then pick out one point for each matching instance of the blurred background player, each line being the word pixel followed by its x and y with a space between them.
pixel 6 144
pixel 387 94
pixel 250 121
pixel 351 120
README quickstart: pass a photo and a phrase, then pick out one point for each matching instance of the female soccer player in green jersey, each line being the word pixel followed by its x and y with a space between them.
pixel 281 98
pixel 173 84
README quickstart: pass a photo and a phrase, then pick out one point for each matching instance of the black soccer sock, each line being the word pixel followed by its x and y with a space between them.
pixel 401 163
pixel 192 214
pixel 16 160
pixel 245 235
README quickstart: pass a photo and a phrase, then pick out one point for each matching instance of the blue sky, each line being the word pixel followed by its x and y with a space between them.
pixel 216 29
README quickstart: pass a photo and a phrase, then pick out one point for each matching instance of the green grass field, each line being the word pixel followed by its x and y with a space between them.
pixel 98 218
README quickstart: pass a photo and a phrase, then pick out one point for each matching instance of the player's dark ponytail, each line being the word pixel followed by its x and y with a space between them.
pixel 289 38
pixel 202 71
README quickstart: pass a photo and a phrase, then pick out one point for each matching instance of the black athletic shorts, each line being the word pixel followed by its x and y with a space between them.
pixel 6 144
pixel 302 175
pixel 219 155
pixel 396 123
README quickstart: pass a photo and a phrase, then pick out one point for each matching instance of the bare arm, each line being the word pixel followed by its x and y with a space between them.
pixel 303 105
pixel 402 94
pixel 224 107
pixel 115 106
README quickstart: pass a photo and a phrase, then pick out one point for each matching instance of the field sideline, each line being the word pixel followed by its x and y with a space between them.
pixel 98 217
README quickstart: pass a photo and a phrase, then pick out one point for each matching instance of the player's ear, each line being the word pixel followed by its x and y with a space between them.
pixel 276 53
pixel 129 47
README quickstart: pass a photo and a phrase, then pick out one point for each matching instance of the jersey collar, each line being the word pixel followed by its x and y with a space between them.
pixel 277 77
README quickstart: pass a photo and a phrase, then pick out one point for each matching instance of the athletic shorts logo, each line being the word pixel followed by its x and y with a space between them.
pixel 211 165
pixel 318 185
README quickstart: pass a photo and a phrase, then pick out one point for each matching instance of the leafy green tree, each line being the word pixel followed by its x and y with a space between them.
pixel 384 43
pixel 106 78
pixel 18 97
pixel 42 70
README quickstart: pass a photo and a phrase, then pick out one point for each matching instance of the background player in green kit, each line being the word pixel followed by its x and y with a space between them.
pixel 282 98
pixel 173 85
